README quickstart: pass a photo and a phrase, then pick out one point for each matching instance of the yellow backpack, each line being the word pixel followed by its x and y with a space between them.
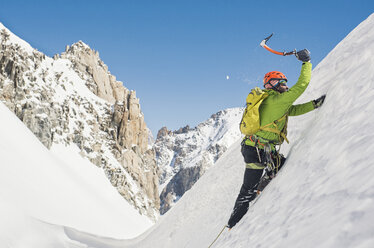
pixel 250 122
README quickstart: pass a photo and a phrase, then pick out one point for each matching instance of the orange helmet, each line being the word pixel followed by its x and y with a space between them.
pixel 273 75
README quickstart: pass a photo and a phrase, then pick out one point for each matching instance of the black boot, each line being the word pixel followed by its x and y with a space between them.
pixel 241 206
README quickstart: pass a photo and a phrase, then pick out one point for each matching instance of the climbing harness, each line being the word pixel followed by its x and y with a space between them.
pixel 270 153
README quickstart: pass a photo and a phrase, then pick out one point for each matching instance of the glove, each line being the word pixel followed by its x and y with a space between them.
pixel 319 101
pixel 303 55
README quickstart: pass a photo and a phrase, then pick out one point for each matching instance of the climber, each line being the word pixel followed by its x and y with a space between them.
pixel 259 150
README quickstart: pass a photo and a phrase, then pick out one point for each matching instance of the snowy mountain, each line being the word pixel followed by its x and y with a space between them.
pixel 184 155
pixel 73 101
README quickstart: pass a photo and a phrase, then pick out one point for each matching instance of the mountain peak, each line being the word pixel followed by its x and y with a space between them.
pixel 78 45
pixel 73 99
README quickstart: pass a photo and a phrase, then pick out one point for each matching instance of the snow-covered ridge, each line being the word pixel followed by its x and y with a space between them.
pixel 14 39
pixel 183 156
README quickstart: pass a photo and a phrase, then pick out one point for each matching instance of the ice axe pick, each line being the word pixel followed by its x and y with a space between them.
pixel 263 44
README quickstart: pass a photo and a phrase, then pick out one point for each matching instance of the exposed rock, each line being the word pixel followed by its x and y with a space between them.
pixel 179 184
pixel 183 130
pixel 163 132
pixel 100 82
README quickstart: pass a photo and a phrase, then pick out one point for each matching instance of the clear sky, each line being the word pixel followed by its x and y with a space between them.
pixel 177 54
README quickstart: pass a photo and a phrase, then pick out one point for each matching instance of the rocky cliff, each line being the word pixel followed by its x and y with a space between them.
pixel 73 99
pixel 184 155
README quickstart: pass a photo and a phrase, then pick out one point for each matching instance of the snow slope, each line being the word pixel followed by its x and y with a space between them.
pixel 37 188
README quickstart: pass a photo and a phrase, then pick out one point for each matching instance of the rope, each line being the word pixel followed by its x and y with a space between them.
pixel 217 236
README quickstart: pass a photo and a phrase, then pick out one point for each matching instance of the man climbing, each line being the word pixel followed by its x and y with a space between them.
pixel 259 150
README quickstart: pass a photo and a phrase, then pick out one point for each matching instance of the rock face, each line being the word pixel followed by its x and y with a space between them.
pixel 184 155
pixel 73 99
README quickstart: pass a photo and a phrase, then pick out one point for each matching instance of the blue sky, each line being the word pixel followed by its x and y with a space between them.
pixel 176 54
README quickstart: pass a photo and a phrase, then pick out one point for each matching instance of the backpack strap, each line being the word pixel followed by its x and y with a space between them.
pixel 276 130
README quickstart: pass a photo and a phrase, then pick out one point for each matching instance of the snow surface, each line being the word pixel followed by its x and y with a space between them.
pixel 323 197
pixel 38 187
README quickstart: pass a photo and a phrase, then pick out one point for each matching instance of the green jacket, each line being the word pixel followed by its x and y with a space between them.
pixel 277 105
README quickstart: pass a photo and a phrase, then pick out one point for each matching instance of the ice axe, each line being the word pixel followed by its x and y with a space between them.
pixel 263 44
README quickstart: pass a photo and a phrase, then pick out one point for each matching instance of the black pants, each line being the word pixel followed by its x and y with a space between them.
pixel 251 181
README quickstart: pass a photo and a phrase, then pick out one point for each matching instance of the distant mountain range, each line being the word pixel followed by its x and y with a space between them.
pixel 184 155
